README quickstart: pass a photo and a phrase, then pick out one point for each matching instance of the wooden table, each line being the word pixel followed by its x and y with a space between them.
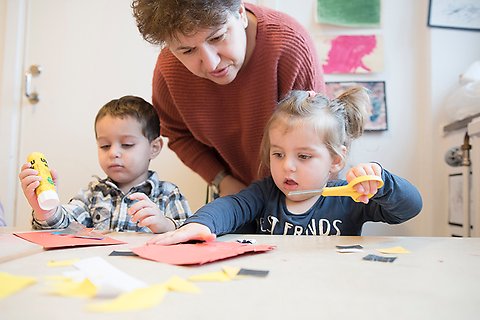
pixel 308 279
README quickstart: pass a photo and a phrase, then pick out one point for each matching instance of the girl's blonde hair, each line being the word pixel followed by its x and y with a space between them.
pixel 337 121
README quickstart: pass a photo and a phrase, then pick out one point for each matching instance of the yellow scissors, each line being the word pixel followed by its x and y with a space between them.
pixel 342 191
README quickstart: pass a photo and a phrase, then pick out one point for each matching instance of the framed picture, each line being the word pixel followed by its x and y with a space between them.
pixel 377 115
pixel 454 14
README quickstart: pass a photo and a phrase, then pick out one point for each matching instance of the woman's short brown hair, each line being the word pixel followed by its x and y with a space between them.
pixel 161 20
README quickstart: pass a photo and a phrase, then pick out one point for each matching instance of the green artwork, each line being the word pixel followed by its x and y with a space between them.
pixel 356 13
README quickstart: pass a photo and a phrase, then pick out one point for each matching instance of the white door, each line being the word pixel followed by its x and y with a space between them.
pixel 90 52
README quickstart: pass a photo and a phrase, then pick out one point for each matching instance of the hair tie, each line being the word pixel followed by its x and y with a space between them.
pixel 311 93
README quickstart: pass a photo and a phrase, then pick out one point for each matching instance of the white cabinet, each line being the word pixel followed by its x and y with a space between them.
pixel 464 177
pixel 474 134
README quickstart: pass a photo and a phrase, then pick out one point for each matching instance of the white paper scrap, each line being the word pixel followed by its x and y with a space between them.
pixel 105 276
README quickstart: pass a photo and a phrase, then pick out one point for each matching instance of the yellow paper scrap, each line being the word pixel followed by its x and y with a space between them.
pixel 84 289
pixel 62 263
pixel 11 283
pixel 57 278
pixel 231 272
pixel 227 274
pixel 176 283
pixel 218 276
pixel 137 299
pixel 393 250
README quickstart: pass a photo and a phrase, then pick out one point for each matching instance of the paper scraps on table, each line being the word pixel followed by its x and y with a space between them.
pixel 216 276
pixel 53 241
pixel 393 250
pixel 137 299
pixel 94 277
pixel 228 274
pixel 144 298
pixel 248 241
pixel 349 248
pixel 123 253
pixel 61 263
pixel 372 257
pixel 198 253
pixel 252 273
pixel 69 288
pixel 105 276
pixel 178 284
pixel 11 283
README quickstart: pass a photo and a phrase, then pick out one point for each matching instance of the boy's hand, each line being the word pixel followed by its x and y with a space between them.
pixel 367 187
pixel 147 214
pixel 30 180
pixel 190 231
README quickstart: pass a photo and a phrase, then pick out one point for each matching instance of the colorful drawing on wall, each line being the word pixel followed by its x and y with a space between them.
pixel 351 53
pixel 454 14
pixel 377 115
pixel 348 13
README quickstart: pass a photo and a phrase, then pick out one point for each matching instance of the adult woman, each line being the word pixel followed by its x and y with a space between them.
pixel 223 67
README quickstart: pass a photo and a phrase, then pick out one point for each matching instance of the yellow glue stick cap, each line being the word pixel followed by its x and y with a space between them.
pixel 48 200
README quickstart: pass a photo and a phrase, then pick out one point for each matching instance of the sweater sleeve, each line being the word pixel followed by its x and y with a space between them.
pixel 396 202
pixel 299 66
pixel 229 213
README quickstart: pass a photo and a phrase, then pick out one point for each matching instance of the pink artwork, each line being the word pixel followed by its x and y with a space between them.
pixel 198 253
pixel 351 54
pixel 52 241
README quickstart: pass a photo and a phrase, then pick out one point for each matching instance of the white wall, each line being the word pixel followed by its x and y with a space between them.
pixel 2 37
pixel 10 96
pixel 3 6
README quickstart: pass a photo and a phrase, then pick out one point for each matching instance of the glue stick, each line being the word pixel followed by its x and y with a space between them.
pixel 46 194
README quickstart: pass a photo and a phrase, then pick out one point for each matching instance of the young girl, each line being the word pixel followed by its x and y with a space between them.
pixel 304 146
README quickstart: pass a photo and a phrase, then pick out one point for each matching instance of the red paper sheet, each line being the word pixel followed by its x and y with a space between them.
pixel 198 253
pixel 51 241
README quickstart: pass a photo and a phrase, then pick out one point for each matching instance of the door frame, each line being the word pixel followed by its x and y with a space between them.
pixel 11 95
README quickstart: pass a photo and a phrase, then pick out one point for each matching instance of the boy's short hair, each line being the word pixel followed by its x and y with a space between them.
pixel 161 20
pixel 135 107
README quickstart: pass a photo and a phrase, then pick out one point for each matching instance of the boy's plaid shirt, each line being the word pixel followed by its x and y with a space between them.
pixel 104 206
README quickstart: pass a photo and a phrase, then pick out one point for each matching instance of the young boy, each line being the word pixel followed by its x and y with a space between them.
pixel 131 198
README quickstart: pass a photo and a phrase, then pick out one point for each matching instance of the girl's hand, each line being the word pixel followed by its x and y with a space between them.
pixel 147 214
pixel 190 231
pixel 30 180
pixel 367 187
